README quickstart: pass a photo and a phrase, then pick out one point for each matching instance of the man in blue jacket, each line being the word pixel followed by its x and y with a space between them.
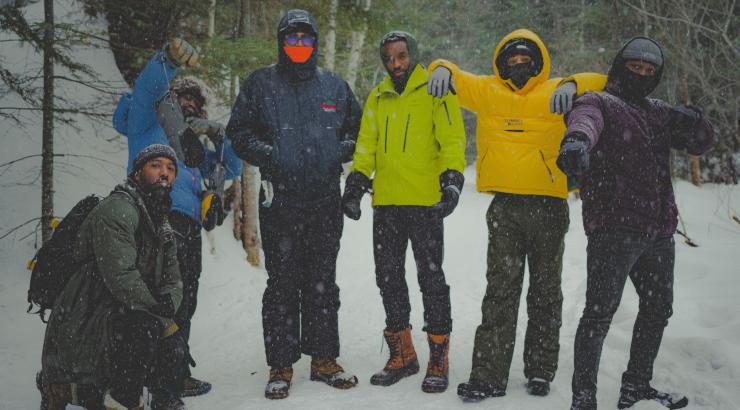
pixel 136 117
pixel 298 123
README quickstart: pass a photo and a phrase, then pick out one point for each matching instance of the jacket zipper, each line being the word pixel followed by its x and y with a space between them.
pixel 406 133
pixel 386 134
pixel 549 171
pixel 444 104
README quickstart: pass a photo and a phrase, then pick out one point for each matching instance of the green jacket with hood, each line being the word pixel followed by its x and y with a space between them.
pixel 129 261
pixel 408 140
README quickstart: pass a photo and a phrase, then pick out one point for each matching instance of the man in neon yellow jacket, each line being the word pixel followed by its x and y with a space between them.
pixel 518 140
pixel 415 146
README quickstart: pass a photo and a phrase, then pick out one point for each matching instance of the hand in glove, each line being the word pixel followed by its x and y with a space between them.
pixel 346 150
pixel 193 151
pixel 164 306
pixel 451 184
pixel 212 129
pixel 684 117
pixel 440 82
pixel 355 187
pixel 573 158
pixel 562 98
pixel 212 212
pixel 181 53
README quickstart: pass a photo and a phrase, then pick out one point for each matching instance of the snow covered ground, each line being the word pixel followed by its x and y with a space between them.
pixel 700 355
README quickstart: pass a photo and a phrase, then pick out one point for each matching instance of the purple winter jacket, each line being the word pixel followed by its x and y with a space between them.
pixel 628 183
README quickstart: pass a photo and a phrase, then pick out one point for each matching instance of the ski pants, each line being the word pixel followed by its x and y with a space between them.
pixel 612 256
pixel 301 301
pixel 140 356
pixel 190 261
pixel 393 228
pixel 531 228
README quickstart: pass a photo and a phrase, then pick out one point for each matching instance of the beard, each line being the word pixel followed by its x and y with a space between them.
pixel 157 200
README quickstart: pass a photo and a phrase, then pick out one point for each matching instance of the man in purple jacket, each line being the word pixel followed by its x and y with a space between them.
pixel 618 142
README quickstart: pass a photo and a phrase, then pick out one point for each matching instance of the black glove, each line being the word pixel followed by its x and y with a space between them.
pixel 346 150
pixel 212 212
pixel 212 129
pixel 355 187
pixel 451 184
pixel 164 306
pixel 573 158
pixel 193 151
pixel 684 117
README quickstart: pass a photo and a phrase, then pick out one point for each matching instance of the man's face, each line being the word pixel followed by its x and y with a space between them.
pixel 189 104
pixel 518 59
pixel 640 67
pixel 159 172
pixel 396 58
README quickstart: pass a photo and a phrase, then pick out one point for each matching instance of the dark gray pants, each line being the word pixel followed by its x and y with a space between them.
pixel 612 256
pixel 393 228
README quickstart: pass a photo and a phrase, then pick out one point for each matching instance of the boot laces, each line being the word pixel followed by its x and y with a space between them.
pixel 281 373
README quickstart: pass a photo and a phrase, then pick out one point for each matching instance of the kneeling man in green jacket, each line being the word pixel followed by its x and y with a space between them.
pixel 415 145
pixel 111 330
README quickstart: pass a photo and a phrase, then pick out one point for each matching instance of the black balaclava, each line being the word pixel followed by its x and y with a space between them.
pixel 399 84
pixel 632 86
pixel 519 73
pixel 292 22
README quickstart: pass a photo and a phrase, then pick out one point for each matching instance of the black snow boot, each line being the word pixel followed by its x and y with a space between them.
pixel 583 401
pixel 166 401
pixel 475 391
pixel 194 387
pixel 537 386
pixel 630 394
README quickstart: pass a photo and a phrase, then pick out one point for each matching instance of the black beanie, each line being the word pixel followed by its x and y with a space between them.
pixel 151 152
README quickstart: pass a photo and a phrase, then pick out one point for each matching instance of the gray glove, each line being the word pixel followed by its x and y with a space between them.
pixel 562 98
pixel 440 82
pixel 212 129
pixel 180 52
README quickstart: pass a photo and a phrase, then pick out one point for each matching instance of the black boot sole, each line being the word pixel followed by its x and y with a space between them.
pixel 395 376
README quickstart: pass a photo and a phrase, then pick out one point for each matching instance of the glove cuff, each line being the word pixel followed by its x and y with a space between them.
pixel 452 177
pixel 357 179
pixel 576 136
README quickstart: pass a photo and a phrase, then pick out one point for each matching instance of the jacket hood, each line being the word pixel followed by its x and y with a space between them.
pixel 540 77
pixel 651 52
pixel 410 41
pixel 292 21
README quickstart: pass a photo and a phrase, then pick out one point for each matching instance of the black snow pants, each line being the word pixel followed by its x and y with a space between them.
pixel 301 301
pixel 190 261
pixel 612 256
pixel 393 228
pixel 139 356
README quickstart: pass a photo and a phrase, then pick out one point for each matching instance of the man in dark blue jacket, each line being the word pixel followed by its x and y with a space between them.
pixel 298 124
pixel 136 118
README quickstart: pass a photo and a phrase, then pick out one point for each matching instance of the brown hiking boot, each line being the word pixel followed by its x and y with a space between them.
pixel 331 373
pixel 436 380
pixel 402 361
pixel 279 383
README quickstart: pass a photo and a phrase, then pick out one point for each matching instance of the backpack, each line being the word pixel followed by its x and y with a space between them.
pixel 54 264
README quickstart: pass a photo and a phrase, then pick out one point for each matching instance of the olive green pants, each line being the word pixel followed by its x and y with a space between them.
pixel 531 228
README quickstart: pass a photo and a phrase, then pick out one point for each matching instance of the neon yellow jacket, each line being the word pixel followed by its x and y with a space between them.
pixel 518 138
pixel 408 140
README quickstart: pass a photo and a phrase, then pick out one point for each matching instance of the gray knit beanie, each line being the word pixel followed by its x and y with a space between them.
pixel 151 152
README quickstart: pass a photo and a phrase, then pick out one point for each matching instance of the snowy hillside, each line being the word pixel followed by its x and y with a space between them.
pixel 700 355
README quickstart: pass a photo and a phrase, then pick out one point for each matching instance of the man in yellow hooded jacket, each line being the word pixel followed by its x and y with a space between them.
pixel 415 146
pixel 517 141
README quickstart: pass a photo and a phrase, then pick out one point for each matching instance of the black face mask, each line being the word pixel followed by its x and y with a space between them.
pixel 636 86
pixel 520 74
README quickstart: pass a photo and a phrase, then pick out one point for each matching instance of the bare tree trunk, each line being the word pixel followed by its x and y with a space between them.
pixel 330 47
pixel 47 133
pixel 694 163
pixel 236 206
pixel 355 56
pixel 250 224
pixel 212 19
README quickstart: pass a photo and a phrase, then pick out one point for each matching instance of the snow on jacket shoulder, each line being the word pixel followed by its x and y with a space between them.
pixel 408 140
pixel 517 136
pixel 294 130
pixel 136 118
pixel 628 184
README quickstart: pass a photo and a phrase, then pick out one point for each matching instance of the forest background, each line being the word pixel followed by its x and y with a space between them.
pixel 700 38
